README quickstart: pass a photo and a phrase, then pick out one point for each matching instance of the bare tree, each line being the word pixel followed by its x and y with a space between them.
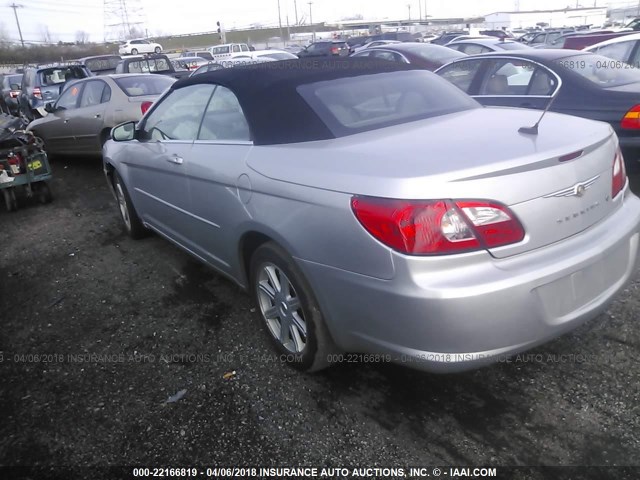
pixel 135 32
pixel 4 37
pixel 45 34
pixel 82 37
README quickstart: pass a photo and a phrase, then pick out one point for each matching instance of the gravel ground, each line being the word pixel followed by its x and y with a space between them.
pixel 98 331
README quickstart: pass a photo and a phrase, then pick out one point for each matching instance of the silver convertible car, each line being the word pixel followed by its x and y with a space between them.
pixel 371 207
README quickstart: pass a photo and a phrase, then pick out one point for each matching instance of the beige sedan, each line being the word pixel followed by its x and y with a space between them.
pixel 80 120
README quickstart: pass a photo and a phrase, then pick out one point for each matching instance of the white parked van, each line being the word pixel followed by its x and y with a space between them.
pixel 229 50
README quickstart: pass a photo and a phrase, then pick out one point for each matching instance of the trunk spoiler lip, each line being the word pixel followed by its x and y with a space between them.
pixel 555 160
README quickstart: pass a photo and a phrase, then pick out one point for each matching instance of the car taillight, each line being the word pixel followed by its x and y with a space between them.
pixel 335 50
pixel 37 92
pixel 14 93
pixel 436 227
pixel 631 119
pixel 619 179
pixel 144 106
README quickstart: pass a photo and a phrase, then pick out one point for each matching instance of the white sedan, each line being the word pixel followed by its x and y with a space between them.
pixel 136 46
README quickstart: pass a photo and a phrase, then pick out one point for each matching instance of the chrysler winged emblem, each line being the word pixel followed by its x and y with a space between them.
pixel 576 190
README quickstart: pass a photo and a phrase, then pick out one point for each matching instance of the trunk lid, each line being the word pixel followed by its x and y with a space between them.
pixel 477 154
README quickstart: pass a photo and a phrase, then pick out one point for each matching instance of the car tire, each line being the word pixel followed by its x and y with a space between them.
pixel 158 50
pixel 134 51
pixel 283 295
pixel 43 192
pixel 10 200
pixel 25 112
pixel 132 223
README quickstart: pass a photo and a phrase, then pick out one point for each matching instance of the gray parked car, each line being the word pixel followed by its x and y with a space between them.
pixel 363 220
pixel 79 122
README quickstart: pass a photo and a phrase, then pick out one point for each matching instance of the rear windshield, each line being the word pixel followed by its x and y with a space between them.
pixel 56 76
pixel 602 71
pixel 149 65
pixel 205 55
pixel 13 80
pixel 138 85
pixel 103 63
pixel 356 104
pixel 220 50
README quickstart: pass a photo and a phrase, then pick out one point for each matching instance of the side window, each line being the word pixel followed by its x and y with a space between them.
pixel 542 83
pixel 69 98
pixel 236 48
pixel 106 94
pixel 179 115
pixel 507 77
pixel 538 39
pixel 244 48
pixel 365 53
pixel 457 46
pixel 224 119
pixel 461 74
pixel 617 51
pixel 383 55
pixel 92 94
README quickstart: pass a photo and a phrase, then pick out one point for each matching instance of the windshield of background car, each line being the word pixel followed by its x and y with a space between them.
pixel 104 63
pixel 602 71
pixel 135 86
pixel 368 102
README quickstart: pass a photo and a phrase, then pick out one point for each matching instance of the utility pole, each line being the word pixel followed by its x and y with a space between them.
pixel 295 9
pixel 420 10
pixel 409 7
pixel 15 12
pixel 311 21
pixel 280 23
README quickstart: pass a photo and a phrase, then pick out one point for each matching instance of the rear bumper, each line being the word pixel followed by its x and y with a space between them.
pixel 484 309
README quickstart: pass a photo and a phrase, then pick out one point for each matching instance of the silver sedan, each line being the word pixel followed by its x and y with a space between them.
pixel 385 211
pixel 80 120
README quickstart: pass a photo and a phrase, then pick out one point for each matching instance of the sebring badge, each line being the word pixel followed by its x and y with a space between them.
pixel 575 191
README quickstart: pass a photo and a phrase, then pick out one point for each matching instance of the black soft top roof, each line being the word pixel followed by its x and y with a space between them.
pixel 275 111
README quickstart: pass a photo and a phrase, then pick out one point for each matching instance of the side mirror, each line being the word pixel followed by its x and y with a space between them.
pixel 124 132
pixel 49 107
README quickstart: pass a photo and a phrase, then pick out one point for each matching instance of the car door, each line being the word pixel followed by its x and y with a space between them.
pixel 513 82
pixel 56 128
pixel 157 166
pixel 216 180
pixel 88 119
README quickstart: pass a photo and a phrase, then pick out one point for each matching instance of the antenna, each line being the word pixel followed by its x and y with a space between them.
pixel 534 129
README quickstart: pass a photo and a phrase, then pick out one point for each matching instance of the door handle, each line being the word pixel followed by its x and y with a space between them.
pixel 97 115
pixel 175 159
pixel 66 120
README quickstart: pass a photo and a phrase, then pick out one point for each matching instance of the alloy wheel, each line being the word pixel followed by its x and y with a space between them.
pixel 281 308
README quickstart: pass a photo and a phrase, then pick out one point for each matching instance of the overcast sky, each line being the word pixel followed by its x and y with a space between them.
pixel 64 18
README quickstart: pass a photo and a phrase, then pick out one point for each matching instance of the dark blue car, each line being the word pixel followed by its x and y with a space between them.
pixel 587 85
